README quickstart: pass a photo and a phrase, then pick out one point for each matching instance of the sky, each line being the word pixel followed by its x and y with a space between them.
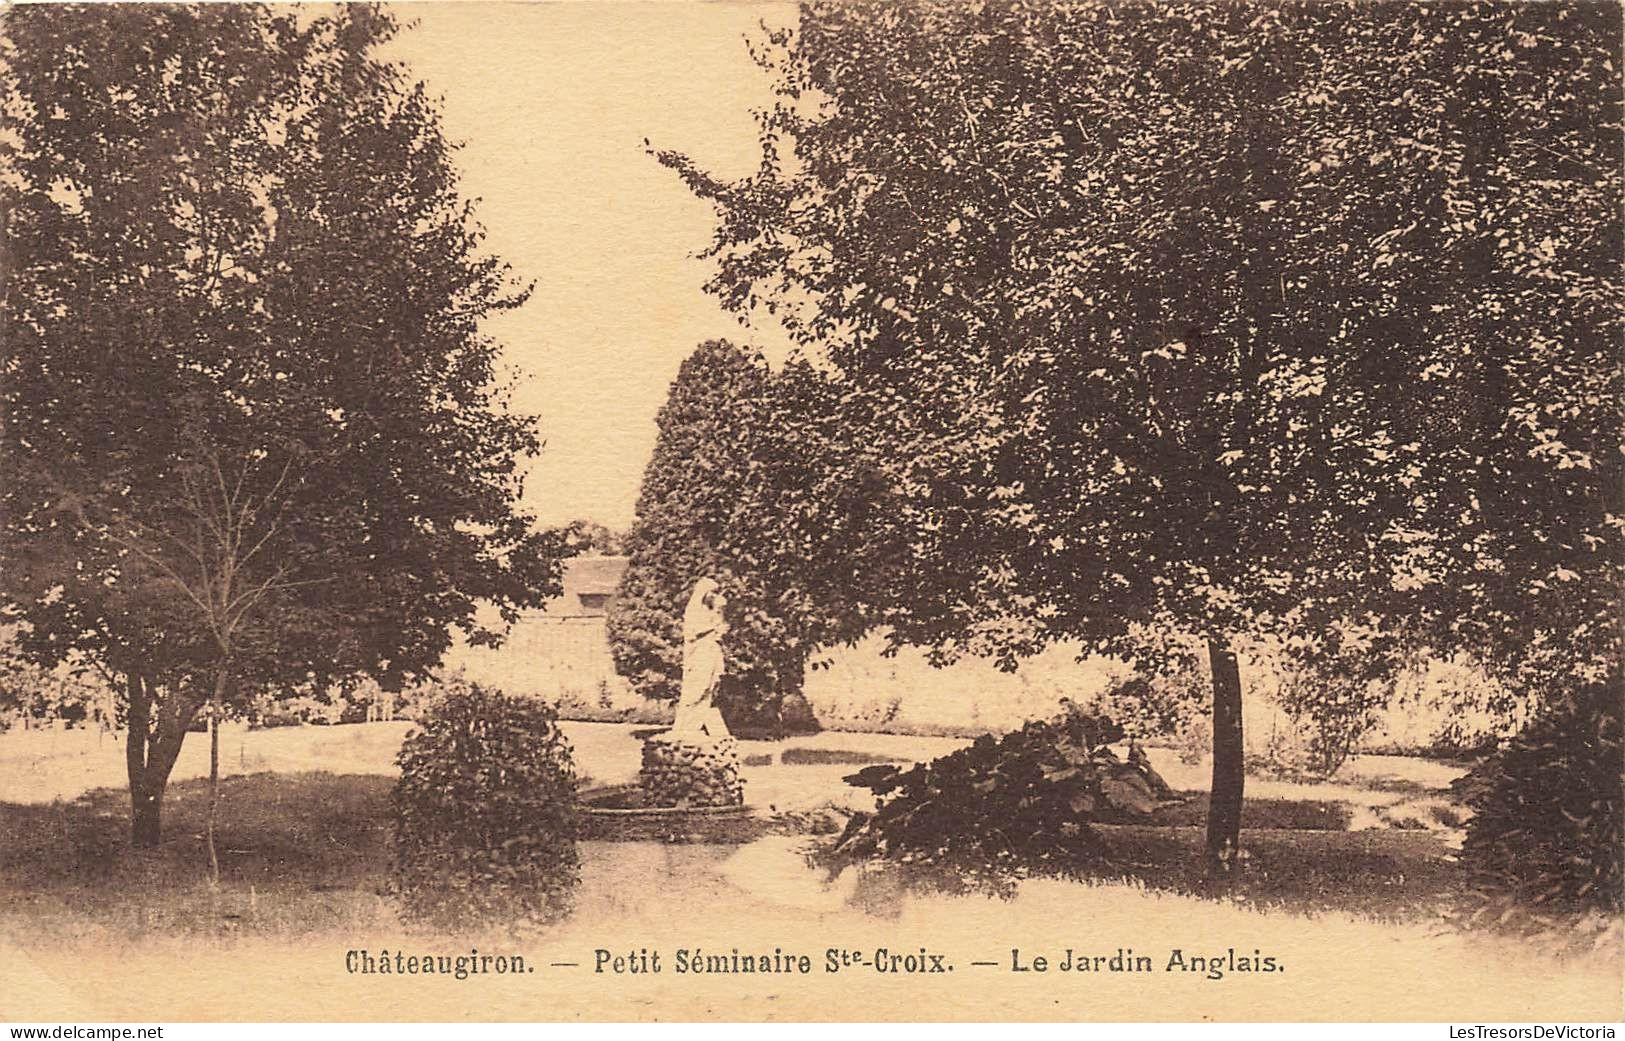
pixel 553 102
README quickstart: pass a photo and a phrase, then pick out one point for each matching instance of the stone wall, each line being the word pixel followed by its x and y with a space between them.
pixel 682 773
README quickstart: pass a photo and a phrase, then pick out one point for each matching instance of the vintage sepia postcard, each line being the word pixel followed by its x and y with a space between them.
pixel 859 510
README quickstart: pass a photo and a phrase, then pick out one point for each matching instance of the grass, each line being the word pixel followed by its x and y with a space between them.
pixel 309 852
pixel 305 858
pixel 1379 875
pixel 305 830
pixel 763 895
pixel 1267 813
pixel 831 757
pixel 298 852
pixel 1389 877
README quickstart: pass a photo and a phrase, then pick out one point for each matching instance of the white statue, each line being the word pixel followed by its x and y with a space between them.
pixel 697 716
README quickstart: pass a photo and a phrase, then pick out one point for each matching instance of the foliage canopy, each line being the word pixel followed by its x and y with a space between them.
pixel 1283 321
pixel 254 434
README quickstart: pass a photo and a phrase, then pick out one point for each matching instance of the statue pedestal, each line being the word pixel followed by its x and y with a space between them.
pixel 691 771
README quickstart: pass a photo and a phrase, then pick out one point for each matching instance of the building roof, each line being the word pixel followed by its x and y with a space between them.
pixel 590 584
pixel 593 574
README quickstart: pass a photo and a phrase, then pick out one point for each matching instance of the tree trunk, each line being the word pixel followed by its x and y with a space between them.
pixel 150 752
pixel 216 706
pixel 145 802
pixel 1229 775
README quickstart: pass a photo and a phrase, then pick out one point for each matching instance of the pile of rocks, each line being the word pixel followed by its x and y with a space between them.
pixel 677 772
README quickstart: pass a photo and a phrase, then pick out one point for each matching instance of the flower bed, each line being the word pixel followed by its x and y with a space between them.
pixel 622 813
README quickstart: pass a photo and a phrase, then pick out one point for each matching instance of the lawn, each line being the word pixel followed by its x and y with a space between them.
pixel 305 852
pixel 44 765
pixel 305 828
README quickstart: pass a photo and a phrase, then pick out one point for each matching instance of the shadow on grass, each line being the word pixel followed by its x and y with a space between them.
pixel 833 757
pixel 1387 875
pixel 1290 814
pixel 298 852
pixel 1399 785
pixel 309 853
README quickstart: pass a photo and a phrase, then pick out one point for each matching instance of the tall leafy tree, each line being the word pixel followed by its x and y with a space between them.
pixel 685 506
pixel 744 486
pixel 253 433
pixel 1288 321
pixel 587 537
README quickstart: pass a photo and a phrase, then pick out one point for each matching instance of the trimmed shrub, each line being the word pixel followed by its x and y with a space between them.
pixel 1000 809
pixel 485 821
pixel 1545 844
